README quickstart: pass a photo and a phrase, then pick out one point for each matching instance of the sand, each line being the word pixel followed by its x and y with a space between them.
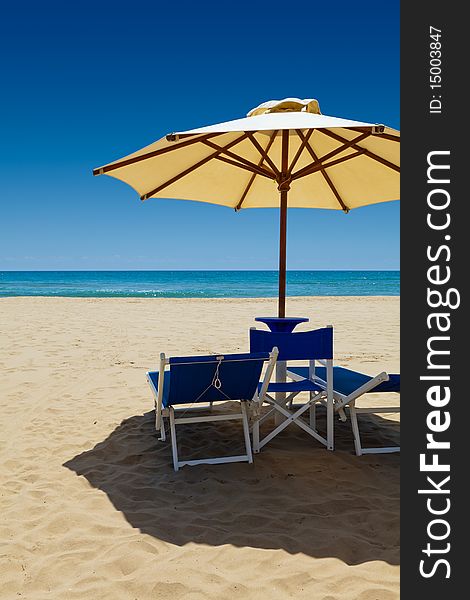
pixel 90 507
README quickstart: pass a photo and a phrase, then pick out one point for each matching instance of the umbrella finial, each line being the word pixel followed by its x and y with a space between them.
pixel 309 105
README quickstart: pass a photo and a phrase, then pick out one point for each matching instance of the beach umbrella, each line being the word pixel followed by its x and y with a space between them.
pixel 282 154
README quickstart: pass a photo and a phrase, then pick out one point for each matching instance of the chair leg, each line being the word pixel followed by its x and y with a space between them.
pixel 355 428
pixel 246 432
pixel 330 415
pixel 313 413
pixel 174 445
pixel 162 437
pixel 159 425
pixel 256 433
pixel 158 419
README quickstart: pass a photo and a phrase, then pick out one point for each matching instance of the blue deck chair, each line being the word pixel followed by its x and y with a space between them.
pixel 314 346
pixel 348 386
pixel 203 380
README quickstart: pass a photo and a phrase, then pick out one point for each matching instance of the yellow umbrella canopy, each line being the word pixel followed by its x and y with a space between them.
pixel 283 153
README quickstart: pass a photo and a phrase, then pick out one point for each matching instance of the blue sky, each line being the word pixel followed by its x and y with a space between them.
pixel 85 83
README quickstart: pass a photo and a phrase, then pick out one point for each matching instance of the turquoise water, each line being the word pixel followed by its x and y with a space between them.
pixel 197 284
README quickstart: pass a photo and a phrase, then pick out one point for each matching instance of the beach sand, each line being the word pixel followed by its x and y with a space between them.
pixel 91 508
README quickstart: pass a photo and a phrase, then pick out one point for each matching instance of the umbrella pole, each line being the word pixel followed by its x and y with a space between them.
pixel 282 255
pixel 283 187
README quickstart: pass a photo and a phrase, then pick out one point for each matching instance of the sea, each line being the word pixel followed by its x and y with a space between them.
pixel 196 284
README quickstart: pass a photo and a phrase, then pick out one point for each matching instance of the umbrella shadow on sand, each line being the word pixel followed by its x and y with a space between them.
pixel 296 496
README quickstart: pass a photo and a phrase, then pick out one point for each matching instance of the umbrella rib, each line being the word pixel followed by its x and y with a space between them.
pixel 387 136
pixel 264 154
pixel 327 178
pixel 135 159
pixel 315 167
pixel 367 153
pixel 191 168
pixel 254 168
pixel 253 177
pixel 350 143
pixel 301 147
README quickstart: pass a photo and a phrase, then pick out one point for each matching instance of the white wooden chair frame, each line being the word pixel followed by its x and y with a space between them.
pixel 294 412
pixel 171 413
pixel 341 402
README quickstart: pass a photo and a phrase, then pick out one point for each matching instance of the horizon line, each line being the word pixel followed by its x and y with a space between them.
pixel 184 270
